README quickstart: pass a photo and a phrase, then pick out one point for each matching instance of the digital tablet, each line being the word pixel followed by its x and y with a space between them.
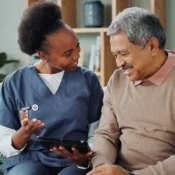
pixel 82 146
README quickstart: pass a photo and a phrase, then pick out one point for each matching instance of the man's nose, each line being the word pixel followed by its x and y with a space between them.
pixel 120 62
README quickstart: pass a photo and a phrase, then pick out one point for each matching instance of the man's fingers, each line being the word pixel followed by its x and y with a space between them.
pixel 98 169
pixel 103 167
pixel 95 171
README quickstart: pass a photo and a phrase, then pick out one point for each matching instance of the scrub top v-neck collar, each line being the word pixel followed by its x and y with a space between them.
pixel 40 87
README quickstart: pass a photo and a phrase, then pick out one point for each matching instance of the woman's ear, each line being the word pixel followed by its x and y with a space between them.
pixel 153 44
pixel 42 55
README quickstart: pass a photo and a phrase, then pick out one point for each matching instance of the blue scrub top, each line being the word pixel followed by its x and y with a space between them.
pixel 66 114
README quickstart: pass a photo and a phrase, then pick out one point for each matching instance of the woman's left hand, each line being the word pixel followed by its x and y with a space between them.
pixel 75 155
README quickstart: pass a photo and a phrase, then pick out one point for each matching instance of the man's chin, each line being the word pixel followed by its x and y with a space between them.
pixel 135 78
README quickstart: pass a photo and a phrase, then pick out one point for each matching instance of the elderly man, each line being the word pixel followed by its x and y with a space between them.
pixel 136 134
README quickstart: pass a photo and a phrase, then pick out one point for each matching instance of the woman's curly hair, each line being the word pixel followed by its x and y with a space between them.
pixel 38 21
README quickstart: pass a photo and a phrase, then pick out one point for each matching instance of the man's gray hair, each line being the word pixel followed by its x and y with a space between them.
pixel 139 25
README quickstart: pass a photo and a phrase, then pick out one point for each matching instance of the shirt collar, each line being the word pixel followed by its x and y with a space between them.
pixel 158 77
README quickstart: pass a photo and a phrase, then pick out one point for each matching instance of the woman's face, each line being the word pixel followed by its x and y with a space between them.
pixel 63 50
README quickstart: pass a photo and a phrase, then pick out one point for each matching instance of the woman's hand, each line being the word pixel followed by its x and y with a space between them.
pixel 28 127
pixel 75 156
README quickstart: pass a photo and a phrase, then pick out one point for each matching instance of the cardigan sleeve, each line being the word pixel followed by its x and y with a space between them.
pixel 105 146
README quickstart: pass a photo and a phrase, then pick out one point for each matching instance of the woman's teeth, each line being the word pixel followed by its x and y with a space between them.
pixel 74 64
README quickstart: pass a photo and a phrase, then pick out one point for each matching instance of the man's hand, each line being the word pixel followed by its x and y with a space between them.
pixel 75 156
pixel 28 127
pixel 106 169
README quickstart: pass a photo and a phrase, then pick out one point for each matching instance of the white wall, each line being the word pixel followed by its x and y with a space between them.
pixel 11 12
pixel 170 24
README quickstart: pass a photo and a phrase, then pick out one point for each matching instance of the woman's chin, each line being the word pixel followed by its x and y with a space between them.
pixel 71 68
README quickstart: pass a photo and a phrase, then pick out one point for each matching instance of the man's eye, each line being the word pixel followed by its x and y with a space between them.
pixel 115 56
pixel 125 54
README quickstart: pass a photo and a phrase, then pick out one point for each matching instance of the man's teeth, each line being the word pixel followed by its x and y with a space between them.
pixel 127 71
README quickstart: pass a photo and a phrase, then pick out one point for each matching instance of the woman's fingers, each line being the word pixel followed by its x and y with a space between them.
pixel 76 152
pixel 89 154
pixel 23 115
pixel 66 152
pixel 32 126
pixel 62 151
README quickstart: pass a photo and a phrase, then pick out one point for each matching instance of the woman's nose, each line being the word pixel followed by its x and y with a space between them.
pixel 76 56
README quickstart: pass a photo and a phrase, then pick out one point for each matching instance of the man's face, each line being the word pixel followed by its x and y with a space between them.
pixel 135 62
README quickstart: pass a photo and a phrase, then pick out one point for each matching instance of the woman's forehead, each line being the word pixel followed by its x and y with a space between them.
pixel 62 38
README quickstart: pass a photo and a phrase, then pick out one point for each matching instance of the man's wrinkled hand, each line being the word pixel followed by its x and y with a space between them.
pixel 107 169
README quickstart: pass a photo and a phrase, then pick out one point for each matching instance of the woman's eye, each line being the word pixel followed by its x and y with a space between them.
pixel 78 48
pixel 68 55
pixel 78 45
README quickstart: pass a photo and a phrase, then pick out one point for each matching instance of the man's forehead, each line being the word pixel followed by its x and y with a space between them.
pixel 120 43
pixel 119 48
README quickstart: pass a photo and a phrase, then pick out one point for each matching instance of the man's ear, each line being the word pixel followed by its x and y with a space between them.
pixel 42 55
pixel 153 44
